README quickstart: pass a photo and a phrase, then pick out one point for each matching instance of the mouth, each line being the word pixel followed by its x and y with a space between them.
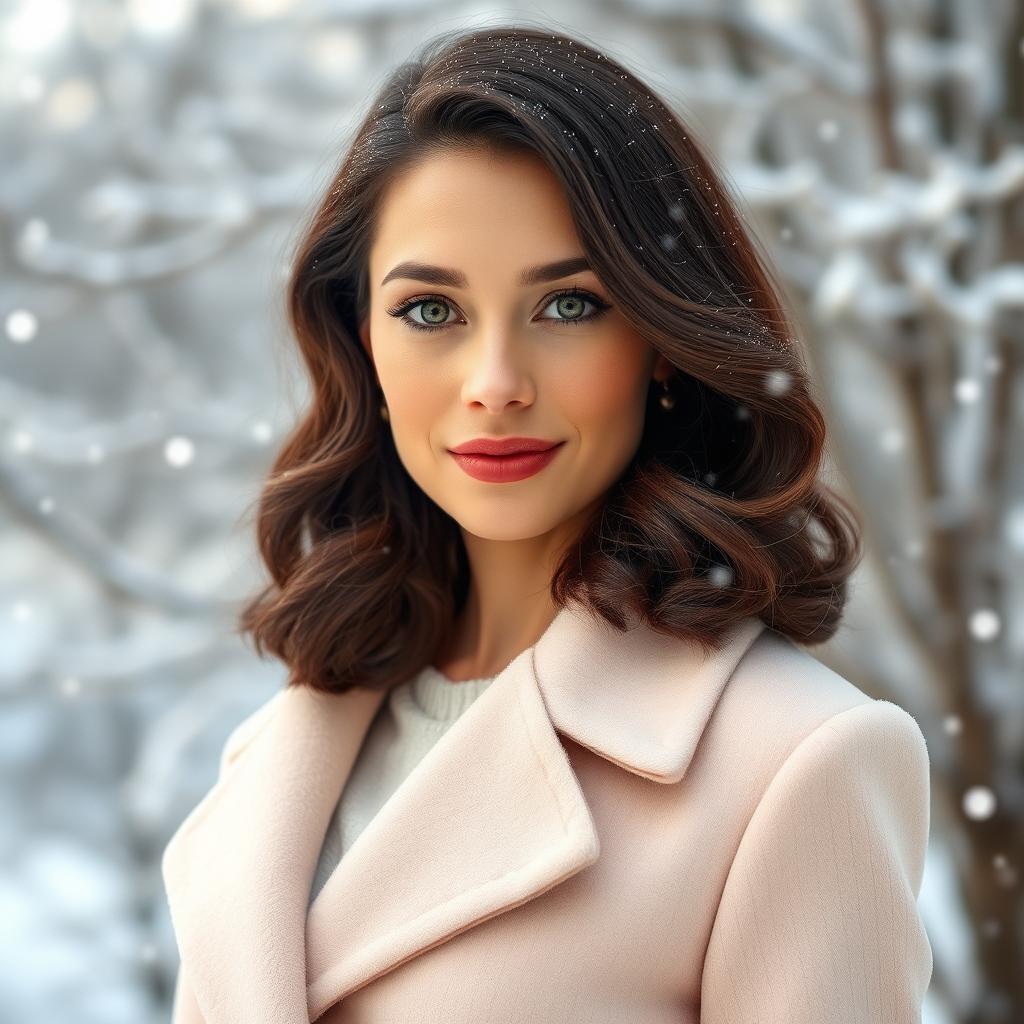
pixel 507 468
pixel 503 446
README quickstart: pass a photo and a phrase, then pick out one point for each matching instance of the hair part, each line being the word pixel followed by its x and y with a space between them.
pixel 720 514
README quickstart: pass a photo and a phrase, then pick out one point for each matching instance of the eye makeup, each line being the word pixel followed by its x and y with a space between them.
pixel 401 311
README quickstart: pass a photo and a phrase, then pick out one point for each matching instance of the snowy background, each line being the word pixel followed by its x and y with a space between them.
pixel 157 157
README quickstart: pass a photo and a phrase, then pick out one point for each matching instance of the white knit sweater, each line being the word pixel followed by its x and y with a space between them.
pixel 415 715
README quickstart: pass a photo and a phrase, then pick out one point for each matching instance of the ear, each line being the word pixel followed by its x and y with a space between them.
pixel 364 337
pixel 662 369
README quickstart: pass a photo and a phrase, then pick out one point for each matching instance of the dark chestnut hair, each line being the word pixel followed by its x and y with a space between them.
pixel 713 518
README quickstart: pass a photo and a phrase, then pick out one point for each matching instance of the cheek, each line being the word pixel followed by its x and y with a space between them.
pixel 416 394
pixel 609 393
pixel 412 394
pixel 409 374
pixel 608 405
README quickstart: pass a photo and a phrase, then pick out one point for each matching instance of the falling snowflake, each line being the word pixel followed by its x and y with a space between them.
pixel 21 325
pixel 179 451
pixel 979 803
pixel 720 575
pixel 984 624
pixel 778 382
pixel 262 431
pixel 967 390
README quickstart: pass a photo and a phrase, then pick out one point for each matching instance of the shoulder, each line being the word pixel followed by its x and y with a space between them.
pixel 783 703
pixel 248 728
pixel 792 692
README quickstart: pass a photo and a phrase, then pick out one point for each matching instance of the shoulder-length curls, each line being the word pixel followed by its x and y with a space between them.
pixel 711 521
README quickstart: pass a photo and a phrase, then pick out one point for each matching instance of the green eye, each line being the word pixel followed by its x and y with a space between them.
pixel 434 308
pixel 575 303
pixel 430 311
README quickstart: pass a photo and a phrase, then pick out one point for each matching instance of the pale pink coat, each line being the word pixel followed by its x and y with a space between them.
pixel 614 832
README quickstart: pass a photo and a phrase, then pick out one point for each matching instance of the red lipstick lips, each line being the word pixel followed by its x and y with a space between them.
pixel 504 459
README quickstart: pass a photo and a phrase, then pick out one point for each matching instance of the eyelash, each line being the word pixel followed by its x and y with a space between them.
pixel 400 311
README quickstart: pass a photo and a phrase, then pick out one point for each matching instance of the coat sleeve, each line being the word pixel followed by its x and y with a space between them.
pixel 184 1009
pixel 818 918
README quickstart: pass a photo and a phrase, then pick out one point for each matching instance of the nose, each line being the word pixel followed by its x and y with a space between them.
pixel 496 379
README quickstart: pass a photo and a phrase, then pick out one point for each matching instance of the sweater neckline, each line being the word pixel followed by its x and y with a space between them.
pixel 442 698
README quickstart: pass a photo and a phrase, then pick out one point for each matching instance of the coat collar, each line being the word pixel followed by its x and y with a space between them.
pixel 238 871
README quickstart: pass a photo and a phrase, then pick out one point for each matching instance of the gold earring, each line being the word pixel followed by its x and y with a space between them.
pixel 384 415
pixel 667 399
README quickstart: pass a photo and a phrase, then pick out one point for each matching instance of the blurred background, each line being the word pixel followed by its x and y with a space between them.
pixel 158 157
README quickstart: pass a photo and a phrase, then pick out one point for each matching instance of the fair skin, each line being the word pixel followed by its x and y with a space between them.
pixel 506 362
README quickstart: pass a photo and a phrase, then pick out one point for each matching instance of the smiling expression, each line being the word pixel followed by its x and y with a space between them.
pixel 486 321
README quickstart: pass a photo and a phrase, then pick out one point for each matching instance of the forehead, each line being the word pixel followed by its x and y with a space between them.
pixel 471 209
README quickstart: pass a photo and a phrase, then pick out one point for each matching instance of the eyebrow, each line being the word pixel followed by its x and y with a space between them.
pixel 415 271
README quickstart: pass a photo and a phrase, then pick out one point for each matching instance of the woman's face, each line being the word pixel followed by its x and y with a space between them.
pixel 482 354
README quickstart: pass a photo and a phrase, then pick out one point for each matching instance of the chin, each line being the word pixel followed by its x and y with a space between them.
pixel 504 523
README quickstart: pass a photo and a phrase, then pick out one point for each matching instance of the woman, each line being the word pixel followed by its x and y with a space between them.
pixel 549 749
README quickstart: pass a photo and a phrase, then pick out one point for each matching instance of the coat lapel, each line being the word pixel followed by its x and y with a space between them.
pixel 491 817
pixel 639 699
